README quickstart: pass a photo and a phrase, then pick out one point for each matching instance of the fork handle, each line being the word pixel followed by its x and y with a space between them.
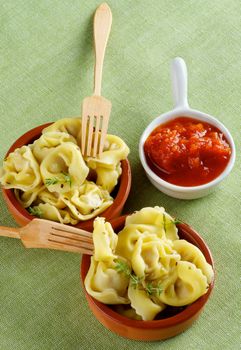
pixel 9 232
pixel 102 25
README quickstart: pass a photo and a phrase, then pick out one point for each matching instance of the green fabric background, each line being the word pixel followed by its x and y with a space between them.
pixel 46 69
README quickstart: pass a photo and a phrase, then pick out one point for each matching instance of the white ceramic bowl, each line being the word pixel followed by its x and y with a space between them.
pixel 179 81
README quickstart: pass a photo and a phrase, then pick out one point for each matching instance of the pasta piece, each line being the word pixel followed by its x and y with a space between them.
pixel 128 237
pixel 143 304
pixel 191 253
pixel 50 212
pixel 64 169
pixel 127 311
pixel 105 284
pixel 108 178
pixel 87 201
pixel 153 257
pixel 28 197
pixel 157 217
pixel 114 151
pixel 52 198
pixel 186 284
pixel 70 126
pixel 42 146
pixel 20 170
pixel 105 241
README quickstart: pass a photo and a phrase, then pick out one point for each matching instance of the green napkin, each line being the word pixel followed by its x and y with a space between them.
pixel 46 69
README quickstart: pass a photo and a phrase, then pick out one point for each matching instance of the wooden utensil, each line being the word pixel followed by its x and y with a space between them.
pixel 96 109
pixel 41 233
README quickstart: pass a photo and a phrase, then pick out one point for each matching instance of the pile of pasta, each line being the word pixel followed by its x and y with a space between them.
pixel 53 181
pixel 146 267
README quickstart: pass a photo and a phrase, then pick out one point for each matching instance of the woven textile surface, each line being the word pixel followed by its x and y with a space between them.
pixel 46 69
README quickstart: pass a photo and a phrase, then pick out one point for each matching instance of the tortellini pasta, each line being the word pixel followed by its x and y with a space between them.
pixel 192 254
pixel 108 178
pixel 103 281
pixel 143 304
pixel 153 257
pixel 20 170
pixel 127 311
pixel 48 141
pixel 158 218
pixel 105 241
pixel 64 159
pixel 52 180
pixel 115 149
pixel 28 197
pixel 52 198
pixel 105 284
pixel 71 126
pixel 87 201
pixel 107 166
pixel 157 269
pixel 146 221
pixel 186 284
pixel 50 212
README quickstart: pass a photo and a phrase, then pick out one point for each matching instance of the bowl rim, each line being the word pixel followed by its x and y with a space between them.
pixel 110 212
pixel 182 316
pixel 189 113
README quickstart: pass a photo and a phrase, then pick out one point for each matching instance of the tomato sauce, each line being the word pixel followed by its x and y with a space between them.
pixel 187 152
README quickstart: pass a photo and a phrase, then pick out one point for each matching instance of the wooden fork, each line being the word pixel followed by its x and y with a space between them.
pixel 96 109
pixel 41 233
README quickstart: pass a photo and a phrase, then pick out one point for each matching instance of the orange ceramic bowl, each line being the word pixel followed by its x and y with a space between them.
pixel 120 193
pixel 175 320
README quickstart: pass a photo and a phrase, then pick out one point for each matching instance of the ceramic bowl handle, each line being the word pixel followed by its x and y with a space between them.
pixel 179 82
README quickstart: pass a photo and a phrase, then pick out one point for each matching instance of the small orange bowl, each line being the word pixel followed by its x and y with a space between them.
pixel 22 216
pixel 175 320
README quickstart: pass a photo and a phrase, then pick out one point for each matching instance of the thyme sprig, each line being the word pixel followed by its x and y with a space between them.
pixel 67 179
pixel 51 181
pixel 136 281
pixel 36 211
pixel 122 266
pixel 54 180
pixel 151 289
pixel 177 221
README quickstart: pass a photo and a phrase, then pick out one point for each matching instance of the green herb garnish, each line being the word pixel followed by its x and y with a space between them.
pixel 150 289
pixel 135 280
pixel 35 211
pixel 177 221
pixel 67 179
pixel 55 180
pixel 51 181
pixel 121 266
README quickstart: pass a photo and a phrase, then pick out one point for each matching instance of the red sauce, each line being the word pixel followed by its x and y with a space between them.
pixel 187 152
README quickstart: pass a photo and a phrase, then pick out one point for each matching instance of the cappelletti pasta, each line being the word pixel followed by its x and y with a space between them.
pixel 52 180
pixel 146 267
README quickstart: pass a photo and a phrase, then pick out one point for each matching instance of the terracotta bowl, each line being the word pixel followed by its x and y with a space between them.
pixel 120 193
pixel 175 320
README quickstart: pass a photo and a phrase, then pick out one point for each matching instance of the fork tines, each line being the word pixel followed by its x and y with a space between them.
pixel 95 119
pixel 79 240
pixel 94 131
